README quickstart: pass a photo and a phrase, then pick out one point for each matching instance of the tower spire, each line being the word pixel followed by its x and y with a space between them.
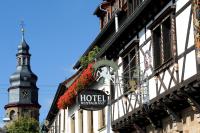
pixel 22 30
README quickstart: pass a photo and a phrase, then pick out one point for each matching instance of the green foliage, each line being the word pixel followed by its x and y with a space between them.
pixel 24 125
pixel 85 60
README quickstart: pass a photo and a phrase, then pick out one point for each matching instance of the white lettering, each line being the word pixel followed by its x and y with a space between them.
pixel 89 98
pixel 82 97
pixel 92 99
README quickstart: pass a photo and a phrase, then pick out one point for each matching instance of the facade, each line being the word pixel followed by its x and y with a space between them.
pixel 23 92
pixel 57 119
pixel 156 87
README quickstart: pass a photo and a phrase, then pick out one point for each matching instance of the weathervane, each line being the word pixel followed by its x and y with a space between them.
pixel 22 29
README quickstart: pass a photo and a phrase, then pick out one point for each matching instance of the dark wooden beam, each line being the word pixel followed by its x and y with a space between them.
pixel 193 103
pixel 174 116
pixel 138 128
pixel 155 123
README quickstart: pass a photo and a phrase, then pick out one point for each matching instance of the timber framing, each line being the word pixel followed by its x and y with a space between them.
pixel 169 103
pixel 117 40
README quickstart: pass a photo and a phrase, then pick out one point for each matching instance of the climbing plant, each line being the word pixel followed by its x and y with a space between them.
pixel 85 60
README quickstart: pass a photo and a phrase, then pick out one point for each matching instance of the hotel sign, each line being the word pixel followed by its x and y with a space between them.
pixel 92 99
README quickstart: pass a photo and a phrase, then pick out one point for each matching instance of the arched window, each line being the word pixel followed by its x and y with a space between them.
pixel 12 115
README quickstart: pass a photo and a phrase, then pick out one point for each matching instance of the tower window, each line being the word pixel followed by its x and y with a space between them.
pixel 19 61
pixel 23 61
pixel 12 115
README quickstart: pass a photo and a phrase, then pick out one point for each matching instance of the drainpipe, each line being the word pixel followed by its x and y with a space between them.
pixel 196 24
pixel 116 17
pixel 116 22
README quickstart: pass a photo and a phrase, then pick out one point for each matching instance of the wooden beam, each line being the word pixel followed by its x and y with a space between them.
pixel 138 128
pixel 177 123
pixel 193 103
pixel 155 123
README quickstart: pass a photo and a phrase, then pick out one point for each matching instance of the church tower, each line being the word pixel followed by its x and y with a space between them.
pixel 23 92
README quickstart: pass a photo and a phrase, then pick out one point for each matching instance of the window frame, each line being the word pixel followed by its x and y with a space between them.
pixel 131 47
pixel 169 13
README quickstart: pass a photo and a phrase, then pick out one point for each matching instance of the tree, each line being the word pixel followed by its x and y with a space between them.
pixel 23 125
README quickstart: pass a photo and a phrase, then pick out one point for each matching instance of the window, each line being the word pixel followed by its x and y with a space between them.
pixel 12 115
pixel 19 61
pixel 161 36
pixel 130 69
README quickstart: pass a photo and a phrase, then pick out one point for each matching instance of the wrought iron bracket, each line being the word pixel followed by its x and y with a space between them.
pixel 193 103
pixel 154 123
pixel 138 128
pixel 177 123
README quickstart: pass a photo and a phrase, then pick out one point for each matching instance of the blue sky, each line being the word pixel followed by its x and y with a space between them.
pixel 57 31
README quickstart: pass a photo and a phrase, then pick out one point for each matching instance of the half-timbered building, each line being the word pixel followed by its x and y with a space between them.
pixel 156 46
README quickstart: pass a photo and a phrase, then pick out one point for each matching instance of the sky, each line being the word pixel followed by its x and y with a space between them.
pixel 57 31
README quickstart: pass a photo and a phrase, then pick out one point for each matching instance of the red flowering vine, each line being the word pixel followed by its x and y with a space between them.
pixel 68 98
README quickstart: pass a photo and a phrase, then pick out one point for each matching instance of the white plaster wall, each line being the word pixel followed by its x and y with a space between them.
pixel 95 120
pixel 62 120
pixel 182 22
pixel 85 120
pixel 66 121
pixel 142 36
pixel 190 68
pixel 191 36
pixel 78 127
pixel 181 29
pixel 152 88
pixel 180 4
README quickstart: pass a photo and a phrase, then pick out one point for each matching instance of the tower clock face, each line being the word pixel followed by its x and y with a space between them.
pixel 25 94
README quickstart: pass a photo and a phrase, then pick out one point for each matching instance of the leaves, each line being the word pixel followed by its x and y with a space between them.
pixel 24 125
pixel 85 60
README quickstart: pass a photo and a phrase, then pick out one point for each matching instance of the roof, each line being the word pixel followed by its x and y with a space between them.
pixel 135 16
pixel 60 91
pixel 97 40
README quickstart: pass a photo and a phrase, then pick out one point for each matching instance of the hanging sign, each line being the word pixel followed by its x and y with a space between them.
pixel 92 99
pixel 147 60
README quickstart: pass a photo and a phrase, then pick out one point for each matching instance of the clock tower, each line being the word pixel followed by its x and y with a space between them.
pixel 23 92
